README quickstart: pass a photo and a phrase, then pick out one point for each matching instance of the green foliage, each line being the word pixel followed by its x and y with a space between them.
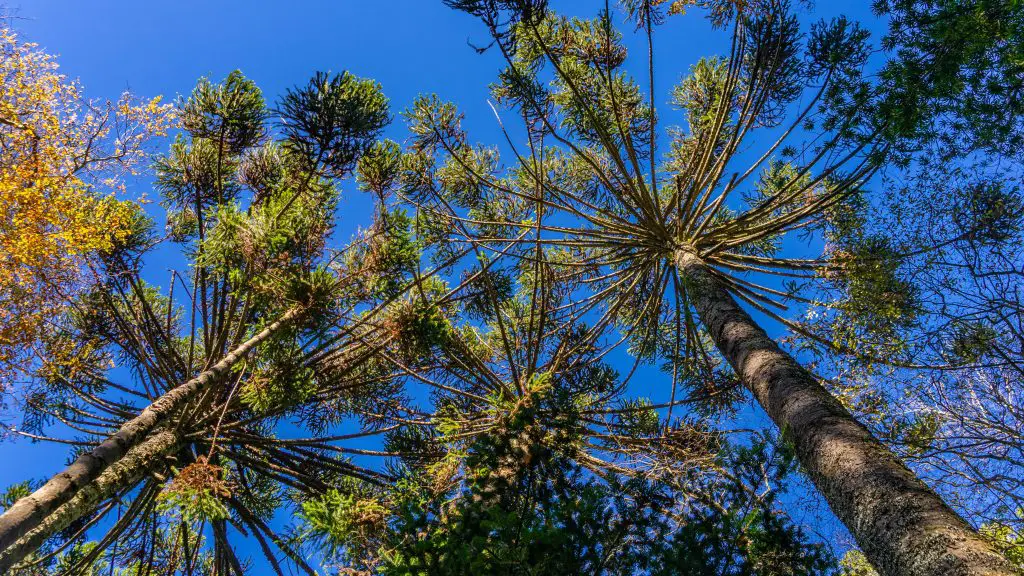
pixel 345 521
pixel 382 263
pixel 269 250
pixel 223 120
pixel 417 324
pixel 600 105
pixel 837 50
pixel 878 302
pixel 196 493
pixel 379 168
pixel 958 74
pixel 433 123
pixel 138 235
pixel 264 168
pixel 192 177
pixel 568 533
pixel 15 492
pixel 702 94
pixel 316 290
pixel 230 114
pixel 772 60
pixel 486 287
pixel 269 236
pixel 1007 541
pixel 638 418
pixel 989 213
pixel 854 563
pixel 252 209
pixel 278 379
pixel 75 555
pixel 334 119
pixel 745 531
pixel 463 176
pixel 918 434
pixel 85 558
pixel 970 342
pixel 534 512
pixel 506 471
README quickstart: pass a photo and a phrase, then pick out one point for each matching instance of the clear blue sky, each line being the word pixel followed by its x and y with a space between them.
pixel 410 46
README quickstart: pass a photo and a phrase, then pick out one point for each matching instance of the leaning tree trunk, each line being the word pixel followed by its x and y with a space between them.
pixel 28 512
pixel 139 462
pixel 902 526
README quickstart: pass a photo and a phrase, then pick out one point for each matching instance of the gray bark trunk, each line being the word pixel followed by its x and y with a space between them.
pixel 136 464
pixel 902 526
pixel 30 511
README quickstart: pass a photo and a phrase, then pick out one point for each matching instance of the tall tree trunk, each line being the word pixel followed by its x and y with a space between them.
pixel 139 462
pixel 902 526
pixel 29 512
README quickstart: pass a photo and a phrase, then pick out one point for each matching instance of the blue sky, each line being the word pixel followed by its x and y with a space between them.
pixel 411 47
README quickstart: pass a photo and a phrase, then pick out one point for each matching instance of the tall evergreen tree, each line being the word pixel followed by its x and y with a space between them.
pixel 944 251
pixel 535 461
pixel 290 328
pixel 667 242
pixel 251 209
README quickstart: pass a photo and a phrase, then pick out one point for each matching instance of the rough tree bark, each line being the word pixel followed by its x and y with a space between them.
pixel 28 512
pixel 901 525
pixel 139 462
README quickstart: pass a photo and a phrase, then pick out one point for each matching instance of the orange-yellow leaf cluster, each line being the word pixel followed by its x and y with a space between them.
pixel 62 163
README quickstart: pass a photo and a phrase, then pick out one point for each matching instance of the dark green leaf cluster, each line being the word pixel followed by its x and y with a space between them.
pixel 333 120
pixel 535 512
pixel 957 75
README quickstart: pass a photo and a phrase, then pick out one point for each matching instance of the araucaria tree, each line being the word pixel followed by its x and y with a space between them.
pixel 200 385
pixel 948 240
pixel 668 238
pixel 181 440
pixel 533 461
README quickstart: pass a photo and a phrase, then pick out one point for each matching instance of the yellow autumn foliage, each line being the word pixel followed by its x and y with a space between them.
pixel 62 163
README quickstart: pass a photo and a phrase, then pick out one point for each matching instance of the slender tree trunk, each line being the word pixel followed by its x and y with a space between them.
pixel 902 526
pixel 30 511
pixel 140 461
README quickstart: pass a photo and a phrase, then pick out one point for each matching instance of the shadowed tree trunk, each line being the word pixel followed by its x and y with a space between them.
pixel 901 524
pixel 30 511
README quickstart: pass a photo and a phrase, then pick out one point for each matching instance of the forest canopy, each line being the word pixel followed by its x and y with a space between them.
pixel 753 313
